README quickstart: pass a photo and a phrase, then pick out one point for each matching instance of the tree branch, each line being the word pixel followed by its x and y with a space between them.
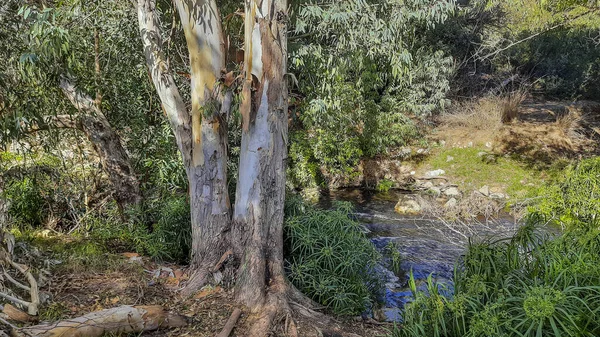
pixel 15 282
pixel 164 83
pixel 34 291
pixel 538 33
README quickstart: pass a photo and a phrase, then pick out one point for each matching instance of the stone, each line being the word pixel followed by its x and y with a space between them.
pixel 452 192
pixel 485 190
pixel 488 144
pixel 434 173
pixel 408 205
pixel 412 173
pixel 436 191
pixel 451 203
pixel 449 159
pixel 470 144
pixel 481 154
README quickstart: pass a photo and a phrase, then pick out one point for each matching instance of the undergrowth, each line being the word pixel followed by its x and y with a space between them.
pixel 573 203
pixel 329 258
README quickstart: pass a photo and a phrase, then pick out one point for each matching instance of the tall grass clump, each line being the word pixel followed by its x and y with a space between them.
pixel 510 104
pixel 485 114
pixel 329 258
pixel 527 285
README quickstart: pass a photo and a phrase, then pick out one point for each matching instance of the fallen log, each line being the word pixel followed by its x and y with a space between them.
pixel 123 319
pixel 15 314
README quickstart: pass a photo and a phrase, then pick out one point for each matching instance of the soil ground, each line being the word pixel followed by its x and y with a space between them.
pixel 138 281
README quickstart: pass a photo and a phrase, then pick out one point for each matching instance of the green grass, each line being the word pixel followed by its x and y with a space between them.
pixel 76 253
pixel 471 172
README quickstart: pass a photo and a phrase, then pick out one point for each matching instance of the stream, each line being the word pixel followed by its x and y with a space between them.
pixel 428 246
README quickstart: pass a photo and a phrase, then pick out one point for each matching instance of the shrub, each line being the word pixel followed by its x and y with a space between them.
pixel 361 92
pixel 40 192
pixel 303 170
pixel 160 229
pixel 384 185
pixel 574 202
pixel 329 258
pixel 27 205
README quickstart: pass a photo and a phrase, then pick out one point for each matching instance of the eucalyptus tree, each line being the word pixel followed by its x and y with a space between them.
pixel 253 230
pixel 53 60
pixel 260 194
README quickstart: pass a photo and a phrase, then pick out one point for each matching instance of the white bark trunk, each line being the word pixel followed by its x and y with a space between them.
pixel 258 214
pixel 204 133
pixel 161 77
pixel 207 174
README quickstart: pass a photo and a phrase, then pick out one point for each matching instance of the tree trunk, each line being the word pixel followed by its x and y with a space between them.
pixel 258 214
pixel 201 134
pixel 207 171
pixel 106 142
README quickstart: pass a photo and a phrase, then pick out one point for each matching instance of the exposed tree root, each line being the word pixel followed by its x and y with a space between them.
pixel 230 323
pixel 284 306
pixel 198 279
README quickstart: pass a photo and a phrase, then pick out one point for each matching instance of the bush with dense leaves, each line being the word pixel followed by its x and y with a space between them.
pixel 574 202
pixel 329 258
pixel 361 89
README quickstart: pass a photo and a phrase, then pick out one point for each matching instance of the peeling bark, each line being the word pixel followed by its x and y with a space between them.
pixel 201 133
pixel 106 142
pixel 207 173
pixel 168 93
pixel 258 214
pixel 120 320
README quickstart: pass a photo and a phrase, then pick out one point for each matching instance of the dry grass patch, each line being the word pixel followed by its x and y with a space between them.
pixel 570 123
pixel 481 120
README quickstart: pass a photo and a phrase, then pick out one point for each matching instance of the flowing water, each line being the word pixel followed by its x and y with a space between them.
pixel 428 246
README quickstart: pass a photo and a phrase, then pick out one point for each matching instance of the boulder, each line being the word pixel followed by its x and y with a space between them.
pixel 436 191
pixel 485 190
pixel 408 204
pixel 452 192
